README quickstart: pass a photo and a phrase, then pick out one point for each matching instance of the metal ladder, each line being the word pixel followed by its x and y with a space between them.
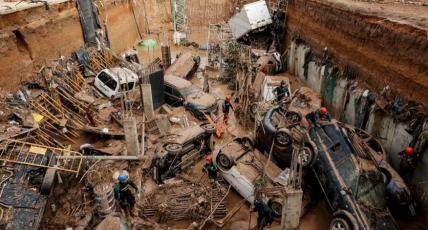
pixel 278 4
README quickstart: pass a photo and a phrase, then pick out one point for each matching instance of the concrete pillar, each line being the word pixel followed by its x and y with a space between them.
pixel 147 100
pixel 291 209
pixel 131 136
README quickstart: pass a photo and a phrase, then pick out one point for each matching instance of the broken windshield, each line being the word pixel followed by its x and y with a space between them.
pixel 190 90
pixel 372 192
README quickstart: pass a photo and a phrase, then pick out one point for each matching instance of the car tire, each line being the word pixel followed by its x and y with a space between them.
pixel 48 181
pixel 252 110
pixel 276 206
pixel 283 137
pixel 224 161
pixel 308 155
pixel 209 128
pixel 249 140
pixel 173 149
pixel 293 117
pixel 340 224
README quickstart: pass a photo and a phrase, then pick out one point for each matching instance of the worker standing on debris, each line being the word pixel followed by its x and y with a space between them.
pixel 226 107
pixel 281 91
pixel 321 114
pixel 265 217
pixel 409 161
pixel 211 167
pixel 123 194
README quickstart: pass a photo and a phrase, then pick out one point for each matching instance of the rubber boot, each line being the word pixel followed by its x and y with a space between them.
pixel 134 211
pixel 128 215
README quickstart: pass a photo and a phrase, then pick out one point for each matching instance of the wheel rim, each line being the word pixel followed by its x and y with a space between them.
pixel 282 138
pixel 253 109
pixel 276 208
pixel 305 156
pixel 224 160
pixel 338 226
pixel 209 126
pixel 293 117
pixel 173 147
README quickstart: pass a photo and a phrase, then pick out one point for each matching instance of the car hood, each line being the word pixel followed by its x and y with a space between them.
pixel 201 99
pixel 378 219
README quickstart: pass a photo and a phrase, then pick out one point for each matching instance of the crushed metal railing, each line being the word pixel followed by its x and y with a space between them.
pixel 19 152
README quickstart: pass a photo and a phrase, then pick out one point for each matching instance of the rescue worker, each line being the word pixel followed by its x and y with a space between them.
pixel 265 217
pixel 123 194
pixel 409 161
pixel 320 114
pixel 226 106
pixel 211 167
pixel 281 91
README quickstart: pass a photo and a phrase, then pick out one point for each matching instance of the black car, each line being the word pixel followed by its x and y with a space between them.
pixel 400 198
pixel 272 132
pixel 181 92
pixel 353 186
pixel 181 150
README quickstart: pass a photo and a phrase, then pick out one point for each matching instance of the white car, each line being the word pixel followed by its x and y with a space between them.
pixel 241 166
pixel 107 82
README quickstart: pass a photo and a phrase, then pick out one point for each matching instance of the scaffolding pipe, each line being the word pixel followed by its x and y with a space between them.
pixel 126 158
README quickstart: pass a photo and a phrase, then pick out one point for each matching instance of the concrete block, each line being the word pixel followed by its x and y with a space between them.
pixel 291 209
pixel 148 100
pixel 131 136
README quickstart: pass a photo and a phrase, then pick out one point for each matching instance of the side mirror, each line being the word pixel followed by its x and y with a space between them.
pixel 342 192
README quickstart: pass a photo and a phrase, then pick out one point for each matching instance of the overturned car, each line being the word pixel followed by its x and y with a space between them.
pixel 180 150
pixel 353 186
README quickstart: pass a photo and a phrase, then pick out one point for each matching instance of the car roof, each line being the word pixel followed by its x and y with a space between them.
pixel 177 81
pixel 276 80
pixel 123 73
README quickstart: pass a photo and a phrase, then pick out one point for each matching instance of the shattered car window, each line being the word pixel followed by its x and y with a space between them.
pixel 190 90
pixel 372 191
pixel 108 80
pixel 348 172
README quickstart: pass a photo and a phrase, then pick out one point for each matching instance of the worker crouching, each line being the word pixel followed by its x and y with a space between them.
pixel 211 167
pixel 123 194
pixel 265 217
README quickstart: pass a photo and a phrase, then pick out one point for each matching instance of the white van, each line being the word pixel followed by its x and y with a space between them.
pixel 107 82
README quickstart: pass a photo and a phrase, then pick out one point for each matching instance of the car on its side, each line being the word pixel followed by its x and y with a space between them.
pixel 241 166
pixel 353 186
pixel 180 150
pixel 400 198
pixel 107 82
pixel 181 92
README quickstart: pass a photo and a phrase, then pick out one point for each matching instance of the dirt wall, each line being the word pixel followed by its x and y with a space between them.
pixel 383 52
pixel 28 38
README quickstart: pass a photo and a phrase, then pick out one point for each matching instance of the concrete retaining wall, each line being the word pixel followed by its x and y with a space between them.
pixel 393 135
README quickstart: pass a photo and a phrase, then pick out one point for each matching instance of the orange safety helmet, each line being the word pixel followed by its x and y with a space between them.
pixel 323 110
pixel 409 151
pixel 227 98
pixel 209 158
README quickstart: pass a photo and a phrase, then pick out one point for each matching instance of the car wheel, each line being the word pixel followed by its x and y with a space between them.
pixel 339 224
pixel 224 161
pixel 48 181
pixel 276 207
pixel 173 149
pixel 209 128
pixel 283 137
pixel 252 111
pixel 293 117
pixel 248 141
pixel 306 154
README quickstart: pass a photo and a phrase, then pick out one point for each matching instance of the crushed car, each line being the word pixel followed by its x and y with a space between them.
pixel 184 66
pixel 179 150
pixel 107 82
pixel 181 92
pixel 400 198
pixel 242 166
pixel 353 186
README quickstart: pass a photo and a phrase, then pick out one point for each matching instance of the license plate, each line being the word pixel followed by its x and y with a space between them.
pixel 412 210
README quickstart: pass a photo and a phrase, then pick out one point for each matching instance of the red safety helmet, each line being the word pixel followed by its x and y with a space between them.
pixel 409 151
pixel 323 110
pixel 227 98
pixel 209 158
